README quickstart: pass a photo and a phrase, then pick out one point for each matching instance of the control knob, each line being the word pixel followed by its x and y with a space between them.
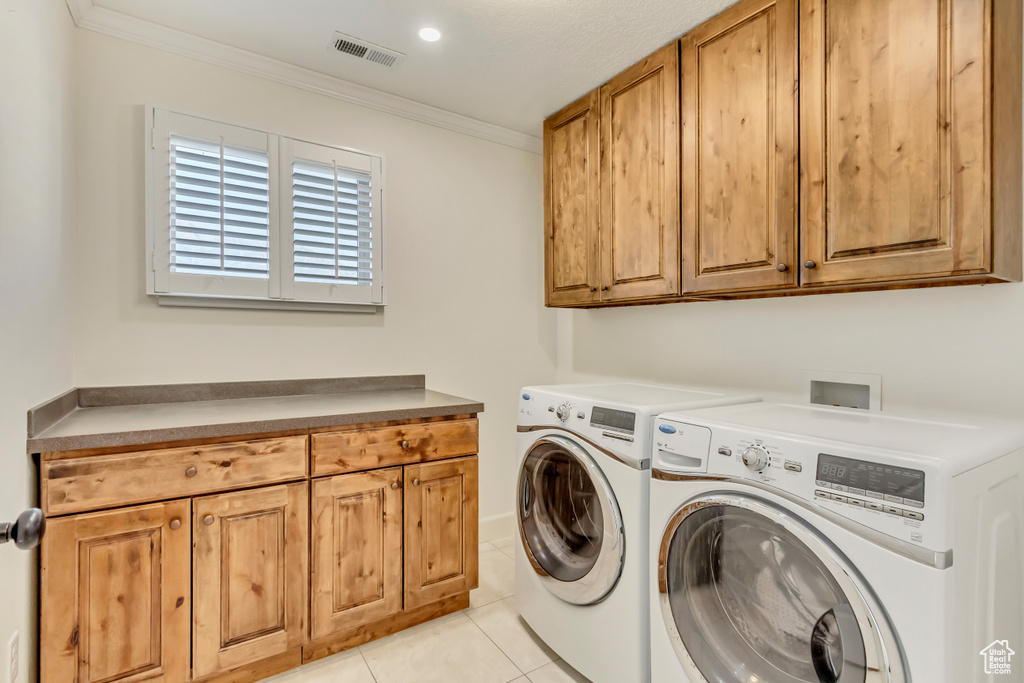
pixel 563 412
pixel 755 458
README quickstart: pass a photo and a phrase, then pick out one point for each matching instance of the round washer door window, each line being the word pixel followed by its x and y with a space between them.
pixel 749 594
pixel 569 521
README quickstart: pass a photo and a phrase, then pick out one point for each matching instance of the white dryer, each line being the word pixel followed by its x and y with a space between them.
pixel 582 506
pixel 799 544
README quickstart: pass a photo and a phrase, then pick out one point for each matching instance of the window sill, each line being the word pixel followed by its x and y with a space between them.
pixel 191 301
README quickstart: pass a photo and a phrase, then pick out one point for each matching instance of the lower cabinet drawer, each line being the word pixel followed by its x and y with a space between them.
pixel 365 449
pixel 97 482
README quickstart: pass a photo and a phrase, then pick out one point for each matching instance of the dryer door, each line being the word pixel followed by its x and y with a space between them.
pixel 750 592
pixel 569 521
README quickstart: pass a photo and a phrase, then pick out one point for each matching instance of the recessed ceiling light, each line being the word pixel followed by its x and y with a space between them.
pixel 430 34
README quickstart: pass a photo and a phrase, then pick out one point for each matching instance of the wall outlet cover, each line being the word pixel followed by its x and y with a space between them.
pixel 13 658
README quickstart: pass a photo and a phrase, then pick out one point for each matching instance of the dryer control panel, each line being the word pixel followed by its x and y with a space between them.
pixel 892 493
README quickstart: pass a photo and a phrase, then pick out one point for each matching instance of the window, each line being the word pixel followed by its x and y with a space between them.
pixel 241 217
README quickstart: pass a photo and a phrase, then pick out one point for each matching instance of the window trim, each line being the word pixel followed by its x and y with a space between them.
pixel 233 292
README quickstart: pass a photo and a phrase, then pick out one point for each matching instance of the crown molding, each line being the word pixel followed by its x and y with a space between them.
pixel 102 20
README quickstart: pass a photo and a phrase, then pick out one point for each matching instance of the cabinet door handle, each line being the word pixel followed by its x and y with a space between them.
pixel 208 520
pixel 405 444
pixel 782 267
pixel 604 289
pixel 175 524
pixel 191 472
pixel 415 482
pixel 394 485
pixel 810 265
pixel 593 289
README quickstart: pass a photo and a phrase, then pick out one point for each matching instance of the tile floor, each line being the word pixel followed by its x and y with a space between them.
pixel 487 643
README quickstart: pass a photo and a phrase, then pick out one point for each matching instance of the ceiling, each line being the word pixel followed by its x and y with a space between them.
pixel 510 63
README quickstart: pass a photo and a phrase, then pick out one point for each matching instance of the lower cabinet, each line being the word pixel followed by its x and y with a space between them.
pixel 249 576
pixel 238 585
pixel 441 531
pixel 116 590
pixel 360 575
pixel 356 550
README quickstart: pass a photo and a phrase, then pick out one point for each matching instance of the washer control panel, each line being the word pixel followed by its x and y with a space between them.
pixel 894 493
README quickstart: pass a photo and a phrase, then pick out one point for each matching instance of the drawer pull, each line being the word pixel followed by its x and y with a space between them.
pixel 394 485
pixel 405 444
pixel 175 524
pixel 191 472
pixel 415 482
pixel 208 520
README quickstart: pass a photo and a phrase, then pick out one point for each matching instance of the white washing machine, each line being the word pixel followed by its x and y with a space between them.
pixel 582 505
pixel 798 544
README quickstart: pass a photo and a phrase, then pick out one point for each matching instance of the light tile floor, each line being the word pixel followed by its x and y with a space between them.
pixel 487 643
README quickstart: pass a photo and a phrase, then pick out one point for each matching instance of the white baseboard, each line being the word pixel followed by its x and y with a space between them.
pixel 497 526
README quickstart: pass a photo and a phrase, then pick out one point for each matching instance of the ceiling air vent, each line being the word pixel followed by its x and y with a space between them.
pixel 368 51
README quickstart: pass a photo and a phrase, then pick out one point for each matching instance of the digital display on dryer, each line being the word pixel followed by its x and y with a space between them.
pixel 871 477
pixel 609 418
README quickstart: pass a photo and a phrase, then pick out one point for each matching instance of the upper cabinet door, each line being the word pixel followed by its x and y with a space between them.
pixel 115 596
pixel 571 250
pixel 640 179
pixel 250 572
pixel 739 149
pixel 441 530
pixel 895 104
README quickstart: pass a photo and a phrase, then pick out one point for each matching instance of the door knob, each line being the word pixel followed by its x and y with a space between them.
pixel 175 524
pixel 405 444
pixel 394 485
pixel 593 289
pixel 415 482
pixel 810 265
pixel 208 520
pixel 26 531
pixel 782 267
pixel 191 472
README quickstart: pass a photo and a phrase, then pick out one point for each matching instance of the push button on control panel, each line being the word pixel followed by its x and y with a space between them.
pixel 793 466
pixel 725 451
pixel 668 429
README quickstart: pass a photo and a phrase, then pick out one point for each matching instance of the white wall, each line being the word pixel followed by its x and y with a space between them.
pixel 946 348
pixel 35 334
pixel 464 272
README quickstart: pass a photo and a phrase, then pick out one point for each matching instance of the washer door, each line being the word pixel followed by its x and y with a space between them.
pixel 750 592
pixel 569 521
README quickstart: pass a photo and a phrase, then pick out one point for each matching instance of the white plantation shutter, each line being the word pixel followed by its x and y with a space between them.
pixel 332 239
pixel 331 226
pixel 236 213
pixel 220 210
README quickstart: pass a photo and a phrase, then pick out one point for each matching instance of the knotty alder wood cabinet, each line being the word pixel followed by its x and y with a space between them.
pixel 617 239
pixel 253 567
pixel 825 145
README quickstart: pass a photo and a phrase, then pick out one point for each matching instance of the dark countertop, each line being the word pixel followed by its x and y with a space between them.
pixel 124 416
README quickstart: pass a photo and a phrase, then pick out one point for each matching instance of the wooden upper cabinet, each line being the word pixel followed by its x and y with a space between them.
pixel 739 202
pixel 115 596
pixel 910 139
pixel 441 511
pixel 356 550
pixel 250 572
pixel 571 251
pixel 640 179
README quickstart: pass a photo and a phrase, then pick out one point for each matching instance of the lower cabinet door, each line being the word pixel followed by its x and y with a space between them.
pixel 441 517
pixel 250 569
pixel 115 596
pixel 356 550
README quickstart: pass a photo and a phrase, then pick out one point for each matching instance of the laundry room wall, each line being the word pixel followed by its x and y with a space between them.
pixel 35 247
pixel 464 254
pixel 944 348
